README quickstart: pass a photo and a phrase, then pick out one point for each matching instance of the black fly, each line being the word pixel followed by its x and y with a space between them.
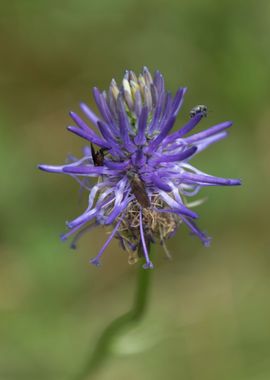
pixel 138 189
pixel 98 156
pixel 199 109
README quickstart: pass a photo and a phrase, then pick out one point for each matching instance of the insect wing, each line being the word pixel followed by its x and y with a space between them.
pixel 93 154
pixel 139 191
pixel 98 157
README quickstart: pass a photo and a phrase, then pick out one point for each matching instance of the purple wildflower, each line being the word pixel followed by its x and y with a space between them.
pixel 144 177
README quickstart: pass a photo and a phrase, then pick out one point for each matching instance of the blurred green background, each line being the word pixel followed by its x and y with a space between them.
pixel 209 311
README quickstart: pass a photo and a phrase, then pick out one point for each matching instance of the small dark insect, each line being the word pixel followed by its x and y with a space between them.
pixel 199 109
pixel 98 156
pixel 138 189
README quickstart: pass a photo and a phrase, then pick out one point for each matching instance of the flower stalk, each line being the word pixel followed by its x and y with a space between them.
pixel 102 351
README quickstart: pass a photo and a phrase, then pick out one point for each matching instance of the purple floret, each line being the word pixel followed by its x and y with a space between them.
pixel 134 133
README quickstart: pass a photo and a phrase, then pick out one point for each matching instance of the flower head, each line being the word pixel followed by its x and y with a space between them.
pixel 143 173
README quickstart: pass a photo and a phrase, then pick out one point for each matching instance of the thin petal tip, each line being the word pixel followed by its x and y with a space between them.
pixel 148 265
pixel 207 242
pixel 235 182
pixel 41 167
pixel 72 114
pixel 95 262
pixel 63 237
pixel 69 224
pixel 50 168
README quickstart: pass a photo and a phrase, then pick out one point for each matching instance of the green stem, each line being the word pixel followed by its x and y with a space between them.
pixel 102 349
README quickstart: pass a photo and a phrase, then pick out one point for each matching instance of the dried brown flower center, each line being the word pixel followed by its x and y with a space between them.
pixel 157 226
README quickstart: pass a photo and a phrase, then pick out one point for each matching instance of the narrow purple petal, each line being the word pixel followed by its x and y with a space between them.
pixel 51 168
pixel 195 230
pixel 210 140
pixel 140 139
pixel 160 183
pixel 127 96
pixel 116 165
pixel 174 205
pixel 105 110
pixel 165 130
pixel 209 132
pixel 112 106
pixel 95 260
pixel 108 135
pixel 92 193
pixel 147 97
pixel 66 235
pixel 80 233
pixel 110 115
pixel 88 214
pixel 176 157
pixel 147 76
pixel 138 103
pixel 118 208
pixel 89 113
pixel 154 94
pixel 59 169
pixel 119 203
pixel 92 137
pixel 87 170
pixel 178 100
pixel 148 264
pixel 82 219
pixel 159 82
pixel 157 114
pixel 183 131
pixel 204 179
pixel 114 213
pixel 138 158
pixel 102 105
pixel 80 122
pixel 166 110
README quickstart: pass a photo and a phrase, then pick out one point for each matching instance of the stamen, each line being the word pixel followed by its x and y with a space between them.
pixel 95 260
pixel 148 264
pixel 79 234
